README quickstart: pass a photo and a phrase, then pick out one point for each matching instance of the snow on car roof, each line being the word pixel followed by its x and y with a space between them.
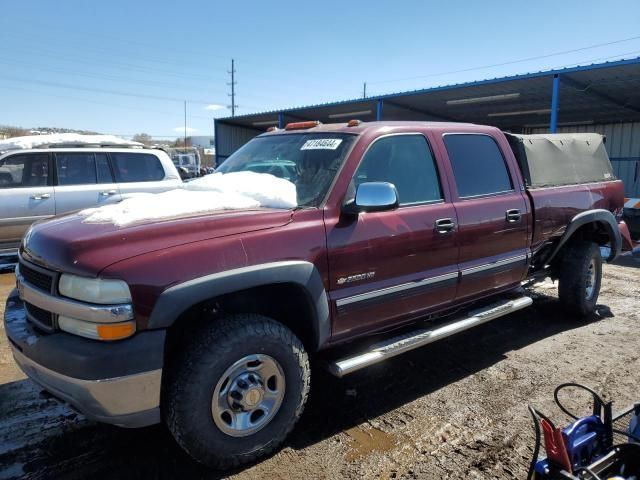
pixel 64 139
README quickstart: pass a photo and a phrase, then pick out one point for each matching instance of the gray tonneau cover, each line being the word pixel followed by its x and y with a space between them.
pixel 557 159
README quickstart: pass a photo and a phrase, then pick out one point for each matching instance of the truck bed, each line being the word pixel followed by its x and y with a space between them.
pixel 554 207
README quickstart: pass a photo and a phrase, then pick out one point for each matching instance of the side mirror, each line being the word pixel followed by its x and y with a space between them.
pixel 373 197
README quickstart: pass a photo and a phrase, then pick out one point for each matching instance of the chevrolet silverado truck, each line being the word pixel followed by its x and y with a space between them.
pixel 404 233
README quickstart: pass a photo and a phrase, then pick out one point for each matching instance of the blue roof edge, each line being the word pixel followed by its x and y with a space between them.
pixel 521 76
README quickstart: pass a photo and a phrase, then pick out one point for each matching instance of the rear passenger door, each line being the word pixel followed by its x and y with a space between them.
pixel 83 180
pixel 493 217
pixel 140 172
pixel 26 195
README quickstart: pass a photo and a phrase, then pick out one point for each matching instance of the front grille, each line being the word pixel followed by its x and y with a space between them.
pixel 37 278
pixel 40 317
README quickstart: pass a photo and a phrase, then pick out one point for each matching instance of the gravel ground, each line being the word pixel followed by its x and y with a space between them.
pixel 455 409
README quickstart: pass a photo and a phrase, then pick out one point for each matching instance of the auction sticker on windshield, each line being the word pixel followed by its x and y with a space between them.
pixel 322 144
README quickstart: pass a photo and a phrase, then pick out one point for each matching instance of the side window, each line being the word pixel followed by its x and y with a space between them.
pixel 137 167
pixel 28 170
pixel 75 168
pixel 103 168
pixel 405 161
pixel 478 165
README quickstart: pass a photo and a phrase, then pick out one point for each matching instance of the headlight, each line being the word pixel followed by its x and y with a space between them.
pixel 97 331
pixel 94 290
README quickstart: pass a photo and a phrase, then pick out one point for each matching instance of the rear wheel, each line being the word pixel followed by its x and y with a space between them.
pixel 579 278
pixel 237 391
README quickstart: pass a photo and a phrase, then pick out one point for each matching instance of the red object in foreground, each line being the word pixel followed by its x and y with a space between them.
pixel 555 447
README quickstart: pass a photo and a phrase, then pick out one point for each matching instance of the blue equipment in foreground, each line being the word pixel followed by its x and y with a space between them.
pixel 585 448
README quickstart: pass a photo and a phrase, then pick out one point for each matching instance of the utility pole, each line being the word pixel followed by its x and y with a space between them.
pixel 185 125
pixel 364 90
pixel 233 83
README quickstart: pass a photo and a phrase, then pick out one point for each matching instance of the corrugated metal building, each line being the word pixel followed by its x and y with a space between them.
pixel 602 98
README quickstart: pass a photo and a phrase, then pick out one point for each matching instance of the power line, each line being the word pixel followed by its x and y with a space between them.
pixel 6 61
pixel 38 49
pixel 528 59
pixel 84 100
pixel 118 63
pixel 49 26
pixel 105 91
pixel 619 56
pixel 122 66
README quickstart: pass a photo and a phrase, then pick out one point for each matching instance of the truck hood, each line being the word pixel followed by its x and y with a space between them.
pixel 67 244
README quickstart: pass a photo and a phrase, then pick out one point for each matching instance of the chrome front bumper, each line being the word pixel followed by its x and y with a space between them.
pixel 128 401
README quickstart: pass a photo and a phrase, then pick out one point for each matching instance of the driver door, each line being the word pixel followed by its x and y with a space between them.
pixel 394 266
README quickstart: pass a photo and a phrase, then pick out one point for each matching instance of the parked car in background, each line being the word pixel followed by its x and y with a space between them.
pixel 189 161
pixel 42 182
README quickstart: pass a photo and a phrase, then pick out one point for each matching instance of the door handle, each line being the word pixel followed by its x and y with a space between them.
pixel 40 196
pixel 513 215
pixel 445 225
pixel 108 193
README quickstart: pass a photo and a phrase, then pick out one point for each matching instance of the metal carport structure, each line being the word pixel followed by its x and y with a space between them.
pixel 601 97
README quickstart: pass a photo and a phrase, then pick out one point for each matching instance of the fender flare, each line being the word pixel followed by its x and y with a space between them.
pixel 178 298
pixel 605 218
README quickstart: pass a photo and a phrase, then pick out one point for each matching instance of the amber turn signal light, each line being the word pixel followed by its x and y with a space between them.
pixel 116 331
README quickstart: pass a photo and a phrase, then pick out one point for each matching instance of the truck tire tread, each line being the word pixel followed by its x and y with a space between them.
pixel 222 337
pixel 573 269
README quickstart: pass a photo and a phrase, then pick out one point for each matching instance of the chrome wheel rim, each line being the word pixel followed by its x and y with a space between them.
pixel 591 280
pixel 248 395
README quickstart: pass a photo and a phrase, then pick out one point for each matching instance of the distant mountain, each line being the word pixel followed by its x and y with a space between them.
pixel 8 131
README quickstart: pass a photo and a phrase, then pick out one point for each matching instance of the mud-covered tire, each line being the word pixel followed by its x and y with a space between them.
pixel 579 278
pixel 197 370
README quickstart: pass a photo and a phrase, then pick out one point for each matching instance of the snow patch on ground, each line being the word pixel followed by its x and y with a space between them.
pixel 35 141
pixel 211 193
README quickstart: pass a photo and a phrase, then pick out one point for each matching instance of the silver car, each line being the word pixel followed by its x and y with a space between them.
pixel 40 183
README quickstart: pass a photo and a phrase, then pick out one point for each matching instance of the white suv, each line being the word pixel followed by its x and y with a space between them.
pixel 41 182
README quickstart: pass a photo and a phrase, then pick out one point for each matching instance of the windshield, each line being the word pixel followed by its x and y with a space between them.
pixel 309 160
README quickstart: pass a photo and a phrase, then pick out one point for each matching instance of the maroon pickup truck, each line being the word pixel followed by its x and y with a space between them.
pixel 404 233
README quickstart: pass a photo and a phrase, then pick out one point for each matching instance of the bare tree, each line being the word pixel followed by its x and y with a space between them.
pixel 143 138
pixel 14 131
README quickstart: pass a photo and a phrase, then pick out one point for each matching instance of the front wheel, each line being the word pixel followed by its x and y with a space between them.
pixel 579 278
pixel 236 391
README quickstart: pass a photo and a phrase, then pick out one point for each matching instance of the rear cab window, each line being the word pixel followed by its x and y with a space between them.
pixel 136 167
pixel 479 168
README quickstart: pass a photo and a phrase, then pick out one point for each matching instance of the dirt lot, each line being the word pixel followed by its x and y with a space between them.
pixel 456 409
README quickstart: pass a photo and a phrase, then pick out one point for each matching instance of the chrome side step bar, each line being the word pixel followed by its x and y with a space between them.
pixel 412 340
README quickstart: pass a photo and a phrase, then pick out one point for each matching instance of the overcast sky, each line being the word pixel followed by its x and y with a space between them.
pixel 125 67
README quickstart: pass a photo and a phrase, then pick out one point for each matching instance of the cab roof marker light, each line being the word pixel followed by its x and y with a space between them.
pixel 302 125
pixel 351 114
pixel 354 123
pixel 491 98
